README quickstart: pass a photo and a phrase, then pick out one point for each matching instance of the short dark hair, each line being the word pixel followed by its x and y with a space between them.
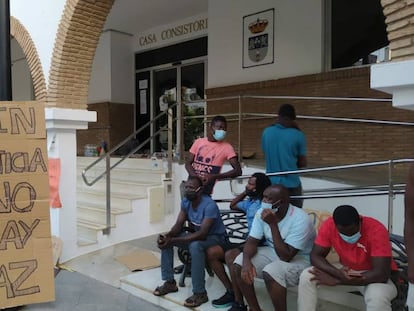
pixel 218 119
pixel 194 177
pixel 287 111
pixel 345 215
pixel 262 182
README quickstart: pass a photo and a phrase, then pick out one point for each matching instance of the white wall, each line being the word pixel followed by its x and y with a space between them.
pixel 41 19
pixel 22 86
pixel 298 40
pixel 112 76
pixel 100 82
pixel 122 68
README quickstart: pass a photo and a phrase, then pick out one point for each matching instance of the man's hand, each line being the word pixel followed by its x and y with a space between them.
pixel 163 241
pixel 323 278
pixel 248 273
pixel 269 216
pixel 211 178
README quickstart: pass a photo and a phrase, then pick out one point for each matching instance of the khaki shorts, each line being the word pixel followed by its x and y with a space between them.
pixel 285 273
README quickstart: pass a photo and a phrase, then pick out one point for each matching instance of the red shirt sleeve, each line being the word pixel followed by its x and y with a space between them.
pixel 378 237
pixel 325 232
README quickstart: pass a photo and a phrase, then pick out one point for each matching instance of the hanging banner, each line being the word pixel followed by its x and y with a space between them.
pixel 26 267
pixel 54 180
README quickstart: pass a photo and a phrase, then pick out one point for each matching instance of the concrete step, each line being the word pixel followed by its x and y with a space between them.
pixel 120 186
pixel 88 231
pixel 98 198
pixel 86 235
pixel 96 215
pixel 131 180
pixel 128 170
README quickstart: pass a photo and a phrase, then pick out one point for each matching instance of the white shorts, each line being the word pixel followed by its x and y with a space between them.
pixel 284 273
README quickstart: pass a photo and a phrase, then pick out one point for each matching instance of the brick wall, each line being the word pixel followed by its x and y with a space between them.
pixel 399 17
pixel 114 123
pixel 77 38
pixel 329 142
pixel 23 38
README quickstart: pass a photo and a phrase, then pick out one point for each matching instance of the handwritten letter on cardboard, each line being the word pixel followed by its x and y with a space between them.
pixel 26 268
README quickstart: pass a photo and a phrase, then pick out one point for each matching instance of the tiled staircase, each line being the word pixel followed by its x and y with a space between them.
pixel 132 183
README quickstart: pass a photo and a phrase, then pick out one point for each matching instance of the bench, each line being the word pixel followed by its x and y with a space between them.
pixel 236 225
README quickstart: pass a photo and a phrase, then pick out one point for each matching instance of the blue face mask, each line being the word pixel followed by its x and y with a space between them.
pixel 219 135
pixel 351 239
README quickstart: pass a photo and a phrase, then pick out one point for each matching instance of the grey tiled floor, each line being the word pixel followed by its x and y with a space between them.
pixel 77 292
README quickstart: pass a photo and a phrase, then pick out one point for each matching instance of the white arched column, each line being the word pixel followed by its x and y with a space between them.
pixel 61 126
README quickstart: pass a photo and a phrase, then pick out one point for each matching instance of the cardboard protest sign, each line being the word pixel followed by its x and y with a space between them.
pixel 26 267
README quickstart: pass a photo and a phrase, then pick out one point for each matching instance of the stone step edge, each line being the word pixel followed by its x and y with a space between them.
pixel 102 209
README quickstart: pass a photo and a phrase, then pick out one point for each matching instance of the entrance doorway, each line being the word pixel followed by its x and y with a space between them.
pixel 183 84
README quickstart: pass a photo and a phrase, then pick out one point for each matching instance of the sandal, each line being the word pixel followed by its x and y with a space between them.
pixel 196 300
pixel 166 288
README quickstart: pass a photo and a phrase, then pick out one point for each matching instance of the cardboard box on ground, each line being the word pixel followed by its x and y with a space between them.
pixel 26 267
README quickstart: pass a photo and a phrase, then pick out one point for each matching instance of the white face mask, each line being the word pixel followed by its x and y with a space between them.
pixel 274 206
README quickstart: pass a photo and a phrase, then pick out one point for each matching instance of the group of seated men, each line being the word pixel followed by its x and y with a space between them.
pixel 282 248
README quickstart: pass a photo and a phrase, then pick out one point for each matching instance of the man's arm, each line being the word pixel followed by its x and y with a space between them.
pixel 164 240
pixel 379 273
pixel 285 251
pixel 409 223
pixel 318 260
pixel 178 226
pixel 302 161
pixel 237 199
pixel 195 236
pixel 248 271
pixel 236 171
pixel 189 164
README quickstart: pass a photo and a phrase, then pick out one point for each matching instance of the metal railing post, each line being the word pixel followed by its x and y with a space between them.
pixel 107 230
pixel 390 195
pixel 170 141
pixel 239 129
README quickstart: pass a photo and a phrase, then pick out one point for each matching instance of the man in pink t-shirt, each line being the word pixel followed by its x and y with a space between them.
pixel 364 249
pixel 207 156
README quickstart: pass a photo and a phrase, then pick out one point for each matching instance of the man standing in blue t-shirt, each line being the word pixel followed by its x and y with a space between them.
pixel 284 147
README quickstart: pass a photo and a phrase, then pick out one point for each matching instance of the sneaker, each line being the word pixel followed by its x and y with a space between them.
pixel 224 301
pixel 196 300
pixel 237 307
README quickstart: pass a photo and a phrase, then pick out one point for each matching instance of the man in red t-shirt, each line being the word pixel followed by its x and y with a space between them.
pixel 364 249
pixel 207 156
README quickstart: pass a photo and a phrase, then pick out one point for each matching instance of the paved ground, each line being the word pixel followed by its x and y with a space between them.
pixel 76 292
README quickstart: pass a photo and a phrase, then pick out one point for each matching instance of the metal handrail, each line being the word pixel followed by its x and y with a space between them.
pixel 109 167
pixel 240 116
pixel 122 143
pixel 376 190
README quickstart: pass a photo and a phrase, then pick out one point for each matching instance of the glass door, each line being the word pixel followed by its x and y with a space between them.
pixel 193 104
pixel 157 90
pixel 165 94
